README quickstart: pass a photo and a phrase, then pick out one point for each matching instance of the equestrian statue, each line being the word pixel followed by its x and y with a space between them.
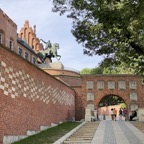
pixel 49 52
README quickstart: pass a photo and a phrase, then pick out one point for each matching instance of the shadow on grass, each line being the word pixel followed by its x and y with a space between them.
pixel 50 135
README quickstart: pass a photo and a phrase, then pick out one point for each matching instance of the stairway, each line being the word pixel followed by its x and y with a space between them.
pixel 84 135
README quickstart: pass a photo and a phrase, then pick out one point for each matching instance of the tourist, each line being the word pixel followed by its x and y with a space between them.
pixel 112 114
pixel 125 113
pixel 115 113
pixel 120 113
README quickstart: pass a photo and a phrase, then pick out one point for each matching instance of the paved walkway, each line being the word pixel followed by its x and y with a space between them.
pixel 117 132
pixel 104 132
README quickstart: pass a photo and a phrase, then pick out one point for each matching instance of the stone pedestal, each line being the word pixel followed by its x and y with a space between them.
pixel 56 65
pixel 87 114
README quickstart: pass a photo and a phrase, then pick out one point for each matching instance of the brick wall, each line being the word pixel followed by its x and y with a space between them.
pixel 30 97
pixel 9 30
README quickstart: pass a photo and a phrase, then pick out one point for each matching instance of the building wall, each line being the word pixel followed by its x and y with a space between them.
pixel 31 55
pixel 9 31
pixel 29 97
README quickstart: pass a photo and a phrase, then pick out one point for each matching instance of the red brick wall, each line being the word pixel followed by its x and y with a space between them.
pixel 30 97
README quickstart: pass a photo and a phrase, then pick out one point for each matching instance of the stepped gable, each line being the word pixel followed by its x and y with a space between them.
pixel 28 34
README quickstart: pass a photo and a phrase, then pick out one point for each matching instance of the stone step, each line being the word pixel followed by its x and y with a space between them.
pixel 79 138
pixel 76 142
pixel 84 135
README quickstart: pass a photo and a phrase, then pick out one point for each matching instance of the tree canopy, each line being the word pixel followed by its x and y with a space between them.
pixel 96 70
pixel 111 28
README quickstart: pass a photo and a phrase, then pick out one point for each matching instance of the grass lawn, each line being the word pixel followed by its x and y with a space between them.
pixel 50 135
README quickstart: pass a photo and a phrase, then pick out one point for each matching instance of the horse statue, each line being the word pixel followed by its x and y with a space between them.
pixel 49 52
pixel 53 51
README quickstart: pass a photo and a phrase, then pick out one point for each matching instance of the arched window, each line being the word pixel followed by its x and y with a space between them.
pixel 20 51
pixel 21 35
pixel 26 55
pixel 2 37
pixel 11 44
pixel 29 38
pixel 32 43
pixel 37 46
pixel 25 33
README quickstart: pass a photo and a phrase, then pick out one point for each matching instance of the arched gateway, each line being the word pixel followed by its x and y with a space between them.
pixel 95 87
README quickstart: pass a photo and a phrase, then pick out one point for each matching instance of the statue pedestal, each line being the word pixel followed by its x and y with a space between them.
pixel 56 65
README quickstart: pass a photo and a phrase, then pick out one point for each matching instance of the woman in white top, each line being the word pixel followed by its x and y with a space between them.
pixel 112 114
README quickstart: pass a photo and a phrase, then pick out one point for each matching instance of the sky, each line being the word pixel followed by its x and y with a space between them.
pixel 50 26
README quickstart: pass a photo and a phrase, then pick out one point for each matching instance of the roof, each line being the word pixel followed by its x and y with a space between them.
pixel 26 45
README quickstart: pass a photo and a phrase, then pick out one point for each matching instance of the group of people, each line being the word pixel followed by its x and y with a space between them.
pixel 123 113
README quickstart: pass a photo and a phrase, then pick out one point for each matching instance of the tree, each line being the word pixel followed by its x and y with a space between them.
pixel 112 28
pixel 110 100
pixel 96 70
pixel 85 71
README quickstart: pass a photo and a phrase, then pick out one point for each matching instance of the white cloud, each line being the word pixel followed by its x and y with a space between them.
pixel 50 26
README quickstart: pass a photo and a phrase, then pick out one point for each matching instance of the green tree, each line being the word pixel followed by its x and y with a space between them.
pixel 96 70
pixel 112 28
pixel 85 71
pixel 110 100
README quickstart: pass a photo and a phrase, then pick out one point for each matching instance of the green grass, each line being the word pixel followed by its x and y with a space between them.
pixel 50 135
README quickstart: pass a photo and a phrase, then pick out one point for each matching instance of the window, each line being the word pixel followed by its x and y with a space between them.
pixel 111 85
pixel 90 96
pixel 133 96
pixel 132 85
pixel 26 55
pixel 34 60
pixel 89 84
pixel 100 84
pixel 122 84
pixel 11 44
pixel 0 38
pixel 20 52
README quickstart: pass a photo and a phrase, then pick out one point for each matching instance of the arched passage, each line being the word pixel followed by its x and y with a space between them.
pixel 109 102
pixel 110 99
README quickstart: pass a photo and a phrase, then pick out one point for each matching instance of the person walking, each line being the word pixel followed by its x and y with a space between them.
pixel 115 113
pixel 112 114
pixel 125 112
pixel 120 113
